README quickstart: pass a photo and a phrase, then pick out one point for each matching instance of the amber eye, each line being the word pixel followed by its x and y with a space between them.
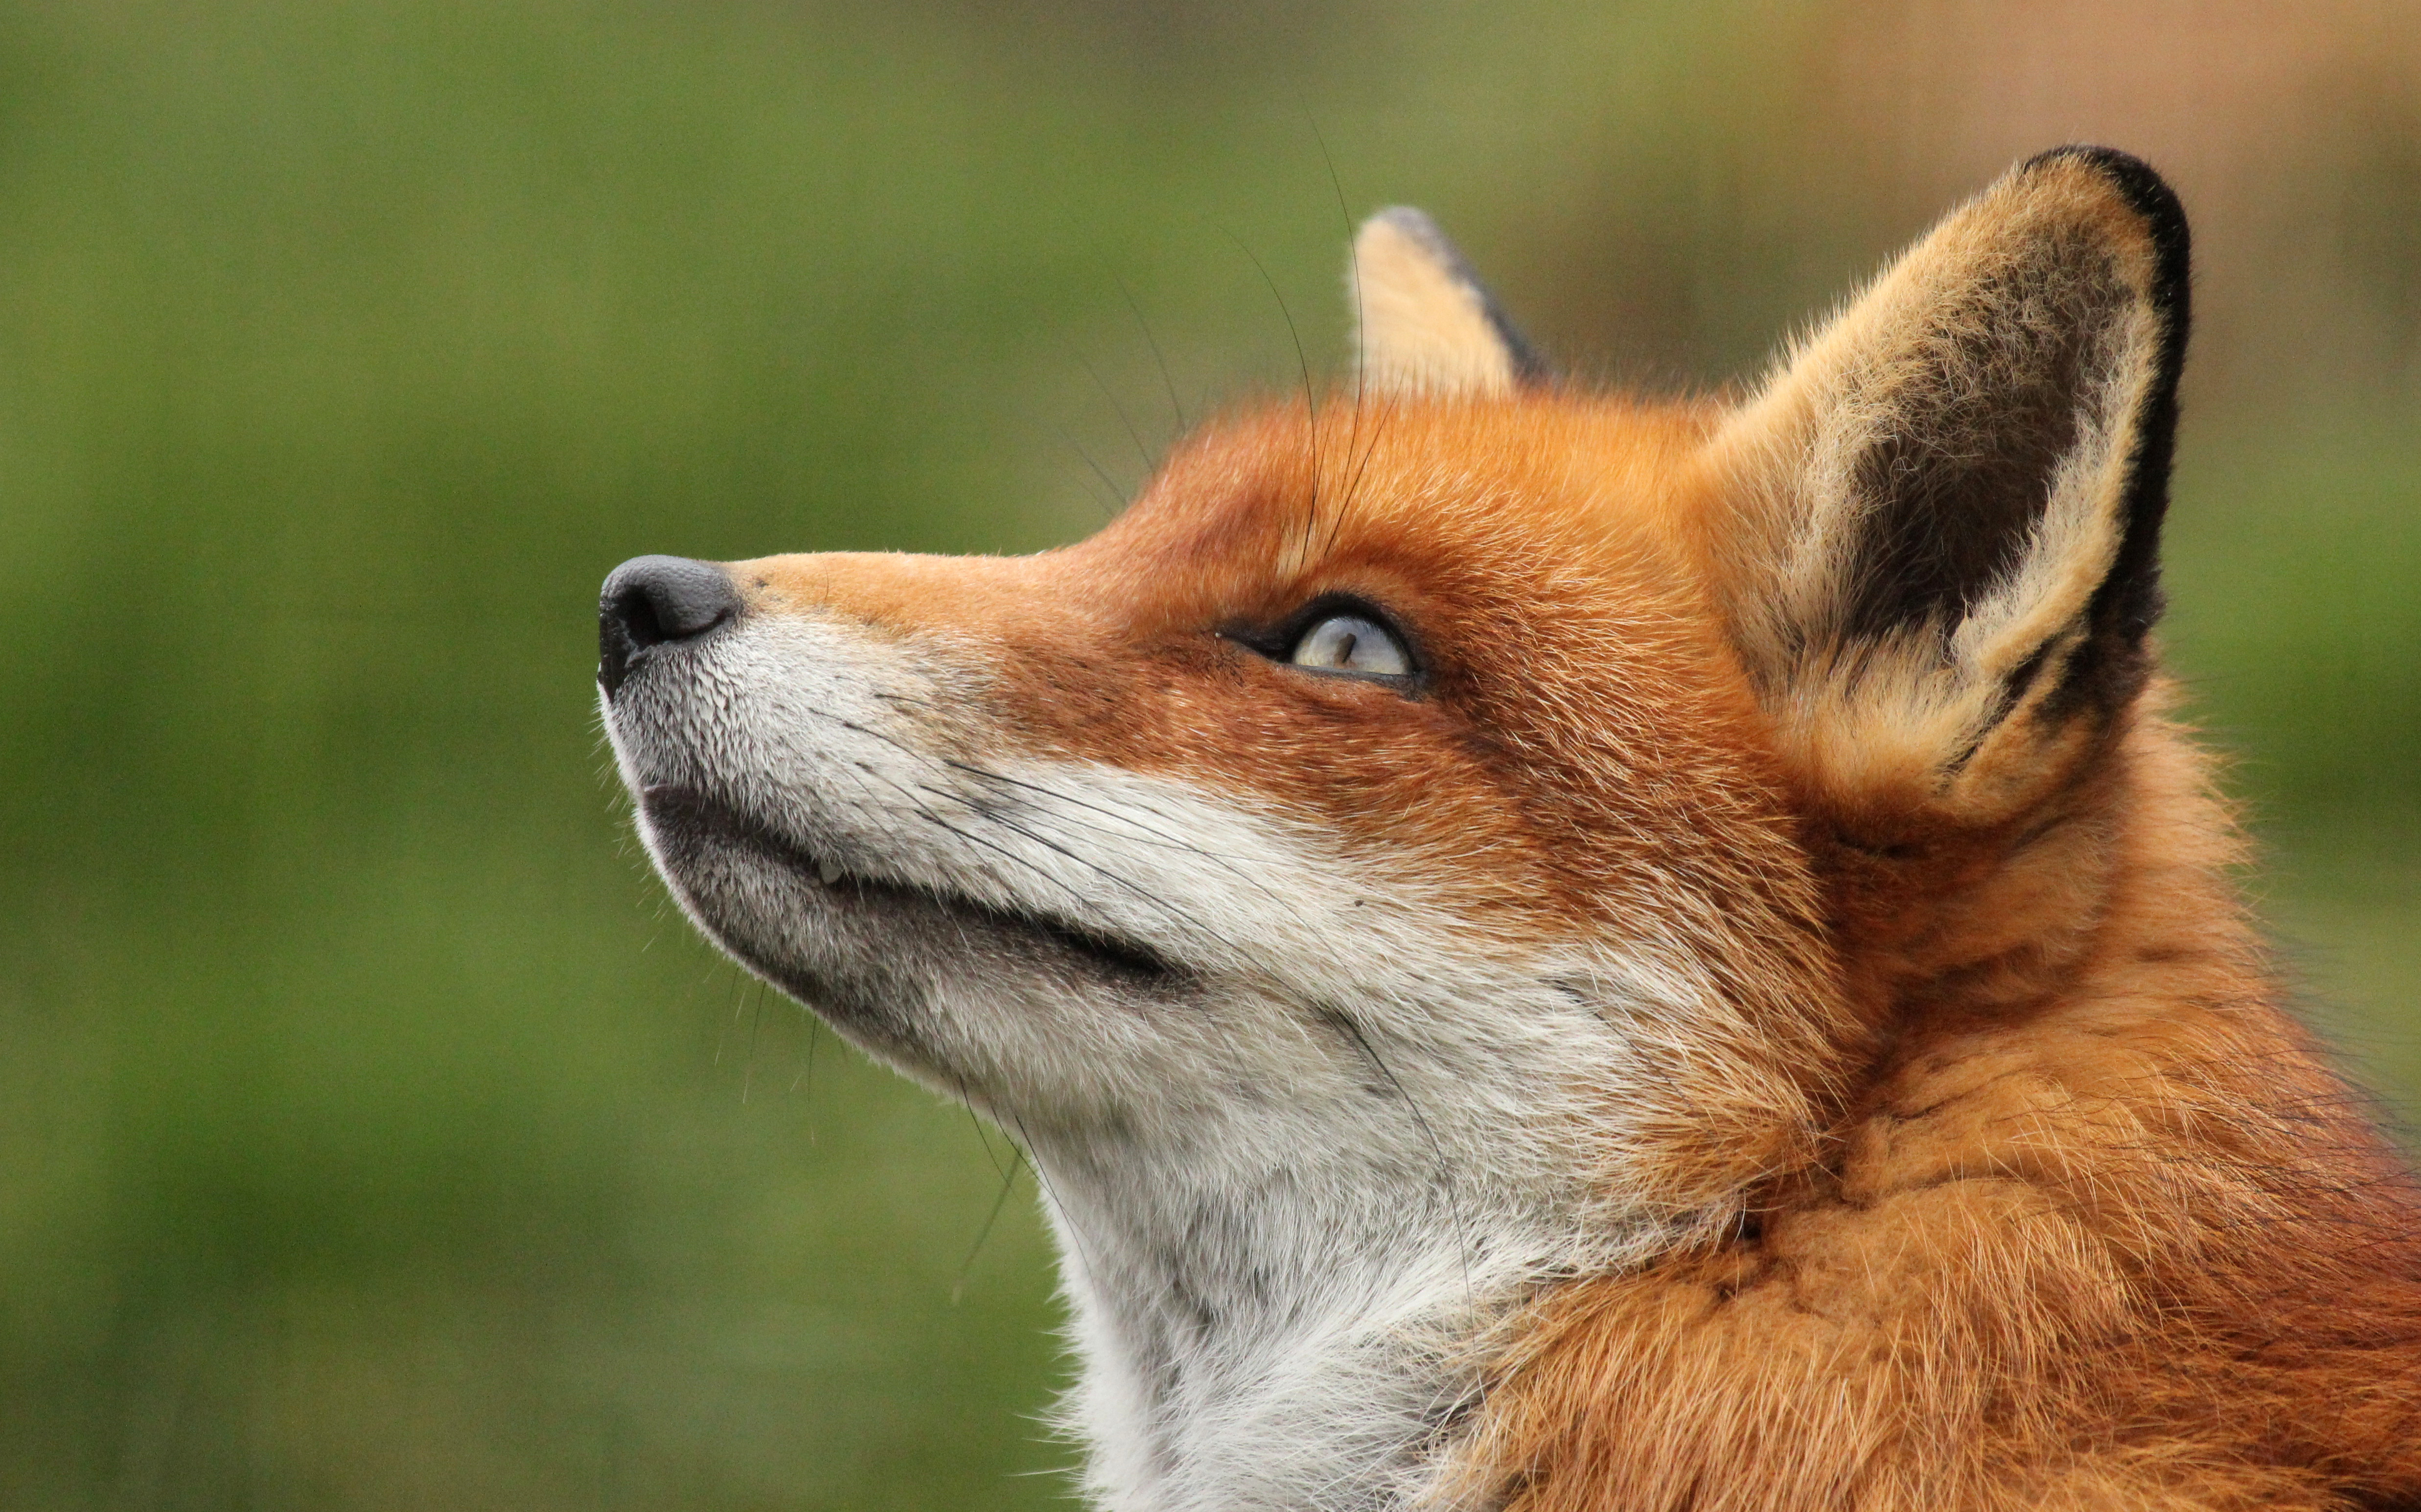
pixel 1349 643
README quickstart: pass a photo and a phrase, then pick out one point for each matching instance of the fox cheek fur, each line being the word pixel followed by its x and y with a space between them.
pixel 1562 952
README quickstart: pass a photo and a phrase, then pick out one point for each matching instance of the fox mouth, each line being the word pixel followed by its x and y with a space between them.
pixel 691 819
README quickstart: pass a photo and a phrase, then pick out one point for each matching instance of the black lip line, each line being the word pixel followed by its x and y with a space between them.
pixel 677 803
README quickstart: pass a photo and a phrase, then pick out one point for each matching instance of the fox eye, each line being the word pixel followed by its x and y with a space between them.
pixel 1349 643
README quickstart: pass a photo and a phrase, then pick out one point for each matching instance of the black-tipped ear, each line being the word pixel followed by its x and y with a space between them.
pixel 1426 323
pixel 1948 502
pixel 2129 601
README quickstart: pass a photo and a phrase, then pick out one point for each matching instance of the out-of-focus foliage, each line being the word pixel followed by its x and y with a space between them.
pixel 373 1134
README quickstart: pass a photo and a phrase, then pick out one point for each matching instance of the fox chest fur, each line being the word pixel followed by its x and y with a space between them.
pixel 1554 952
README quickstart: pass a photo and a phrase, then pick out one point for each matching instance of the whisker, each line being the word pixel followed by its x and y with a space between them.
pixel 1421 1122
pixel 735 1000
pixel 1051 1193
pixel 1117 495
pixel 1095 867
pixel 1007 1179
pixel 1142 452
pixel 804 1083
pixel 925 813
pixel 1354 271
pixel 1310 399
pixel 1148 340
pixel 1354 487
pixel 1142 833
pixel 755 1022
pixel 966 1104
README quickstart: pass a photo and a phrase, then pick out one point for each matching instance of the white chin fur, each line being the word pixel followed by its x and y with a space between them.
pixel 1299 1156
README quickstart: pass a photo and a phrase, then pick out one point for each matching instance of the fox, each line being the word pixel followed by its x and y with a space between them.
pixel 1559 950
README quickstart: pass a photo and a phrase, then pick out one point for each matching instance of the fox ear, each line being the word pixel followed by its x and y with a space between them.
pixel 1427 324
pixel 1944 510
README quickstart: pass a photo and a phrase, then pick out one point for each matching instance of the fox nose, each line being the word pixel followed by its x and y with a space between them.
pixel 657 600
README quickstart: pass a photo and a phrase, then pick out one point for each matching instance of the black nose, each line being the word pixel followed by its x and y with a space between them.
pixel 657 600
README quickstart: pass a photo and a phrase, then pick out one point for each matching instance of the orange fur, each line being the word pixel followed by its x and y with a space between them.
pixel 2100 1230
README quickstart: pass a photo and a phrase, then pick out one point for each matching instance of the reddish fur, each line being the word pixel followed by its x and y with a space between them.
pixel 2056 1207
pixel 2099 1230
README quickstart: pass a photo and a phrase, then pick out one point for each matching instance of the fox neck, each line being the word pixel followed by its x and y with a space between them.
pixel 1292 1330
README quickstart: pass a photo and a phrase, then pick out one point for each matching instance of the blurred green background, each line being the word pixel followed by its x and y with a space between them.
pixel 373 1134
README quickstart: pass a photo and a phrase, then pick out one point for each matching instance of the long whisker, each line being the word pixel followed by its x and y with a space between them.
pixel 1142 451
pixel 918 807
pixel 1310 399
pixel 1137 830
pixel 1007 1179
pixel 1353 269
pixel 1354 487
pixel 1050 1192
pixel 1092 866
pixel 1117 495
pixel 967 1104
pixel 755 1022
pixel 915 803
pixel 804 1083
pixel 1166 377
pixel 1421 1122
pixel 739 1000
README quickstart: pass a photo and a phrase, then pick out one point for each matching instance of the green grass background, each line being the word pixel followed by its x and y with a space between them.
pixel 372 1132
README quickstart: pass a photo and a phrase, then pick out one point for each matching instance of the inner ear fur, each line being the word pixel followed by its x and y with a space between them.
pixel 1939 520
pixel 1424 322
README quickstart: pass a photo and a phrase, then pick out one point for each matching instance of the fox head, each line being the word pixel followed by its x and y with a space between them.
pixel 1463 834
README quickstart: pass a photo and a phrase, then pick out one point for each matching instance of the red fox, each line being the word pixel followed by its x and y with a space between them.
pixel 1556 952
